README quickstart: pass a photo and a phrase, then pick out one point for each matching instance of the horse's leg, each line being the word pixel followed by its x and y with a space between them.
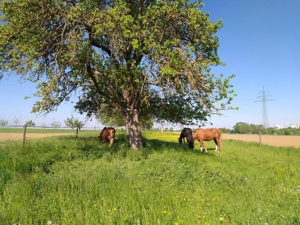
pixel 216 142
pixel 204 147
pixel 201 144
pixel 111 141
pixel 180 140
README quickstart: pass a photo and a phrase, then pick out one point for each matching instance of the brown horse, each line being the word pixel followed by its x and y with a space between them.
pixel 208 135
pixel 107 134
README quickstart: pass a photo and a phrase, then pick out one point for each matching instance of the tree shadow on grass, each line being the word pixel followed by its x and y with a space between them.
pixel 90 146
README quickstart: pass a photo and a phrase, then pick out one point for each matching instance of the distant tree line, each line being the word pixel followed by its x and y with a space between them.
pixel 73 123
pixel 147 124
pixel 246 128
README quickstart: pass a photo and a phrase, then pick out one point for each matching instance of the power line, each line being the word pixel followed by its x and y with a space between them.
pixel 264 97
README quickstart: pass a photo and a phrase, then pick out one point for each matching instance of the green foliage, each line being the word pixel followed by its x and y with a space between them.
pixel 30 123
pixel 113 116
pixel 56 124
pixel 241 128
pixel 225 130
pixel 283 131
pixel 74 123
pixel 63 180
pixel 245 128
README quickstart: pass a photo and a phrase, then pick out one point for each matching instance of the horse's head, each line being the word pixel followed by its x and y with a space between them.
pixel 190 141
pixel 180 140
pixel 191 144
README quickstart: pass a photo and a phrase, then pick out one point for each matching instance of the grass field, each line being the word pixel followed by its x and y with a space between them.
pixel 64 180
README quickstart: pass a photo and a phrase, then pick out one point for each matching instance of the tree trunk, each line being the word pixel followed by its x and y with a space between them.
pixel 127 130
pixel 24 134
pixel 134 129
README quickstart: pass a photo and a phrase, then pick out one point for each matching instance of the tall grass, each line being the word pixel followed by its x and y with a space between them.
pixel 64 180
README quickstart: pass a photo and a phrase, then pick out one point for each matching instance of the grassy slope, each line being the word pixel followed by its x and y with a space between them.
pixel 62 180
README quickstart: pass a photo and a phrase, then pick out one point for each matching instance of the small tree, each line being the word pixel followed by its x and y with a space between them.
pixel 56 124
pixel 16 121
pixel 74 123
pixel 30 123
pixel 44 125
pixel 3 123
pixel 70 122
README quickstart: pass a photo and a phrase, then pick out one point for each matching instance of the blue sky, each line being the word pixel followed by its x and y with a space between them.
pixel 259 44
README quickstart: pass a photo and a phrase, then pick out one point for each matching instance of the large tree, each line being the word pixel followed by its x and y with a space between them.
pixel 137 55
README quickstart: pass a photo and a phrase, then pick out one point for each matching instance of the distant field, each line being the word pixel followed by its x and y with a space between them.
pixel 274 140
pixel 19 136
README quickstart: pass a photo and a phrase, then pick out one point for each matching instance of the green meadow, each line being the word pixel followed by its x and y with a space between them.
pixel 64 180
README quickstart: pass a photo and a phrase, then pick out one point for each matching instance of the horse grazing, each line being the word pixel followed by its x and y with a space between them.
pixel 186 133
pixel 208 135
pixel 107 134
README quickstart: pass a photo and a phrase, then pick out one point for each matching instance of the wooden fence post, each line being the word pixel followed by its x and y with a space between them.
pixel 24 133
pixel 260 139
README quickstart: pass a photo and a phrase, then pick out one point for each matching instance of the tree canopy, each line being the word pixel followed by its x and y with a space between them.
pixel 74 123
pixel 144 57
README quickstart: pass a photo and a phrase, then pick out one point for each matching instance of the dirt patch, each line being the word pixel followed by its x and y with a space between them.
pixel 274 140
pixel 19 136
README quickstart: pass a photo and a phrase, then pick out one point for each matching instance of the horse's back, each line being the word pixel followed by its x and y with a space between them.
pixel 188 131
pixel 217 132
pixel 103 134
pixel 206 134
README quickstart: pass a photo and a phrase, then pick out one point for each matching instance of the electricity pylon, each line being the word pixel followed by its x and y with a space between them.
pixel 264 97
